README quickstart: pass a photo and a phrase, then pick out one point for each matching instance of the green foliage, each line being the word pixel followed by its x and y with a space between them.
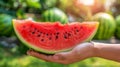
pixel 7 3
pixel 14 57
pixel 20 7
pixel 33 3
pixel 48 3
pixel 22 48
pixel 15 60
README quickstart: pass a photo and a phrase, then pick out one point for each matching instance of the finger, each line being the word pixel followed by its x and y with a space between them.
pixel 56 59
pixel 63 55
pixel 38 55
pixel 44 57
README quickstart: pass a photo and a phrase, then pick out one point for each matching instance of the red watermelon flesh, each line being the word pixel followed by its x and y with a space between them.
pixel 53 37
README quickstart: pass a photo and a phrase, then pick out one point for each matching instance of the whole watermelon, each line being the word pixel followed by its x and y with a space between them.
pixel 107 26
pixel 5 25
pixel 53 15
pixel 117 32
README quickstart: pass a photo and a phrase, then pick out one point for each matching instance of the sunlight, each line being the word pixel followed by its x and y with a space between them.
pixel 86 2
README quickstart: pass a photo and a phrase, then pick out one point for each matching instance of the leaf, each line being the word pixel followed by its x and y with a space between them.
pixel 33 3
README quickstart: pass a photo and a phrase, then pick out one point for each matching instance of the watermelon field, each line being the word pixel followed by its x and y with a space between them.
pixel 13 49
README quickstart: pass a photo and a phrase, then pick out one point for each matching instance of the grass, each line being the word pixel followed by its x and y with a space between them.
pixel 12 58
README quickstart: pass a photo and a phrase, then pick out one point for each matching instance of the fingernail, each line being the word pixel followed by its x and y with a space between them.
pixel 28 52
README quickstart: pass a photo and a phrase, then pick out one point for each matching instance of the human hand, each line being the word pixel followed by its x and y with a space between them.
pixel 80 52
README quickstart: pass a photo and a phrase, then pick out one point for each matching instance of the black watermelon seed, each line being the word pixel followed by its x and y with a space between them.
pixel 50 38
pixel 65 32
pixel 33 32
pixel 42 39
pixel 56 37
pixel 69 34
pixel 57 33
pixel 77 30
pixel 38 35
pixel 47 34
pixel 65 36
pixel 38 31
pixel 75 27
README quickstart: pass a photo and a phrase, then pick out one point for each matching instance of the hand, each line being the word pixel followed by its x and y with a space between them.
pixel 80 52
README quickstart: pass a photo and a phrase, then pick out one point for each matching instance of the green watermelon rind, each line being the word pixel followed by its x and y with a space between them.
pixel 92 35
pixel 6 25
pixel 48 51
pixel 117 31
pixel 107 26
pixel 54 15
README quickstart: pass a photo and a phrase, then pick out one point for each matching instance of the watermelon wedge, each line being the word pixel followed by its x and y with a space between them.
pixel 54 37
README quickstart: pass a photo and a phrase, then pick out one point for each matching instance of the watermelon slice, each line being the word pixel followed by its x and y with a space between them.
pixel 51 38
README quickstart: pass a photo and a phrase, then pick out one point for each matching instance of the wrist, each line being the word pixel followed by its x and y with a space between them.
pixel 96 49
pixel 90 50
pixel 85 50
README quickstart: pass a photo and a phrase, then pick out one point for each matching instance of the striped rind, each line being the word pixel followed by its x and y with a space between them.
pixel 117 32
pixel 5 25
pixel 107 26
pixel 54 15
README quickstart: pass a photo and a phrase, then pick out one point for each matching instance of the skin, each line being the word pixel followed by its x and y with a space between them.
pixel 81 52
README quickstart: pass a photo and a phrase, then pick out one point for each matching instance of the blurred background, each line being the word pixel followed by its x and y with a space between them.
pixel 13 52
